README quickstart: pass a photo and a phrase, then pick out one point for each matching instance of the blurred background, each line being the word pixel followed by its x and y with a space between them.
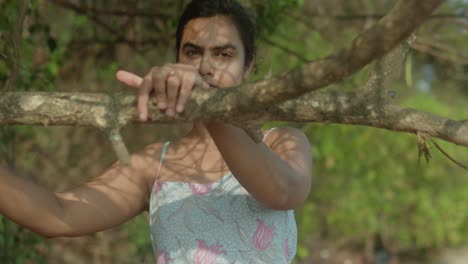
pixel 373 200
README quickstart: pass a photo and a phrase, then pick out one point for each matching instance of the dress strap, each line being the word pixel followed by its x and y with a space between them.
pixel 161 159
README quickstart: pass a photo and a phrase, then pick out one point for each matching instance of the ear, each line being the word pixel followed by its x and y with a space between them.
pixel 249 69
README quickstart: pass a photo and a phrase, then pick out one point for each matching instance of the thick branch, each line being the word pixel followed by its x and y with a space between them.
pixel 372 44
pixel 113 112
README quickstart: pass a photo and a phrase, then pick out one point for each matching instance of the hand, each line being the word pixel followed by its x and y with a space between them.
pixel 172 84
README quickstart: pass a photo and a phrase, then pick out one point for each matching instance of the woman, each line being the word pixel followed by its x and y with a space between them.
pixel 214 196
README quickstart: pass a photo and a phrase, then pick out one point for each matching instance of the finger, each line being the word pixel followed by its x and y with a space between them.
pixel 173 85
pixel 143 97
pixel 129 79
pixel 184 93
pixel 159 82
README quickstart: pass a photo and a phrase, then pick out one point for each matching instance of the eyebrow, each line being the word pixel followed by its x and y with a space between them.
pixel 189 44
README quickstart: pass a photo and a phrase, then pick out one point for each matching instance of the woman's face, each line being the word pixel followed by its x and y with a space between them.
pixel 214 46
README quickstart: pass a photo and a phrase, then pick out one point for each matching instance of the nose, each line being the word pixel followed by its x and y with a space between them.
pixel 206 66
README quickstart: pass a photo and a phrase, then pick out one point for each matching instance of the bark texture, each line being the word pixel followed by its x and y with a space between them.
pixel 110 112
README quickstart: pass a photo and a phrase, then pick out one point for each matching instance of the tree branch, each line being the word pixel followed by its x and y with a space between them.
pixel 371 44
pixel 107 112
pixel 356 109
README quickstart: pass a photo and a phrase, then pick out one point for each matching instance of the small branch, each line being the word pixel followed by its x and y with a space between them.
pixel 299 56
pixel 448 156
pixel 360 17
pixel 118 145
pixel 88 13
pixel 440 51
pixel 17 39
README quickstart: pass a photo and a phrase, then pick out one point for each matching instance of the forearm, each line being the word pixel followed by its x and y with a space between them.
pixel 28 204
pixel 257 168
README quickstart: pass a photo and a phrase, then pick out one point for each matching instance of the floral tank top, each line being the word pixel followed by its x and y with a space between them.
pixel 219 222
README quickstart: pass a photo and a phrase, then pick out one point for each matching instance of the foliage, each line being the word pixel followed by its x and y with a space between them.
pixel 369 182
pixel 267 12
pixel 19 57
pixel 138 231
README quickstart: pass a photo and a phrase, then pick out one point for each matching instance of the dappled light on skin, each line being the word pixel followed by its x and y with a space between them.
pixel 192 160
pixel 117 190
pixel 196 161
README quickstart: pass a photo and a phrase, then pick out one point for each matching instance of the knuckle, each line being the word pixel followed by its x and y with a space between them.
pixel 173 81
pixel 166 68
pixel 154 70
pixel 147 78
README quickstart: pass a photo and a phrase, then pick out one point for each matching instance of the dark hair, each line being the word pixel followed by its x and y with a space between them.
pixel 231 8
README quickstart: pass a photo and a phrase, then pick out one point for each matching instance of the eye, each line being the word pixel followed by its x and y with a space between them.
pixel 224 54
pixel 191 53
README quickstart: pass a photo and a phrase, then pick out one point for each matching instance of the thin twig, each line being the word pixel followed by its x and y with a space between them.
pixel 119 147
pixel 17 46
pixel 285 49
pixel 448 156
pixel 112 12
pixel 428 49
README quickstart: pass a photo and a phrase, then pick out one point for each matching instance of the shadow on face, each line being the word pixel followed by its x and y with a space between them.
pixel 214 46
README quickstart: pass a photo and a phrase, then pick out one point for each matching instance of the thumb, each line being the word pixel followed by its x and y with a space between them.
pixel 129 79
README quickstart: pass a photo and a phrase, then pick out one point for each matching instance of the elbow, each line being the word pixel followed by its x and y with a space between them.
pixel 293 197
pixel 285 200
pixel 45 233
pixel 49 234
pixel 280 203
pixel 52 229
pixel 287 204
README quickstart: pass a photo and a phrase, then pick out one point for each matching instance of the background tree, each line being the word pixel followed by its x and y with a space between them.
pixel 370 195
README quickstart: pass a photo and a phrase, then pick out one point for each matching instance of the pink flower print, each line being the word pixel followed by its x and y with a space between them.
pixel 206 254
pixel 158 186
pixel 200 189
pixel 287 252
pixel 263 235
pixel 162 257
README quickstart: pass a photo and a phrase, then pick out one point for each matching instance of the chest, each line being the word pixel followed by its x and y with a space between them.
pixel 184 214
pixel 199 166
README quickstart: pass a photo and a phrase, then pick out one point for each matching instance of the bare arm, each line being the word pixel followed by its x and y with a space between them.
pixel 114 197
pixel 278 173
